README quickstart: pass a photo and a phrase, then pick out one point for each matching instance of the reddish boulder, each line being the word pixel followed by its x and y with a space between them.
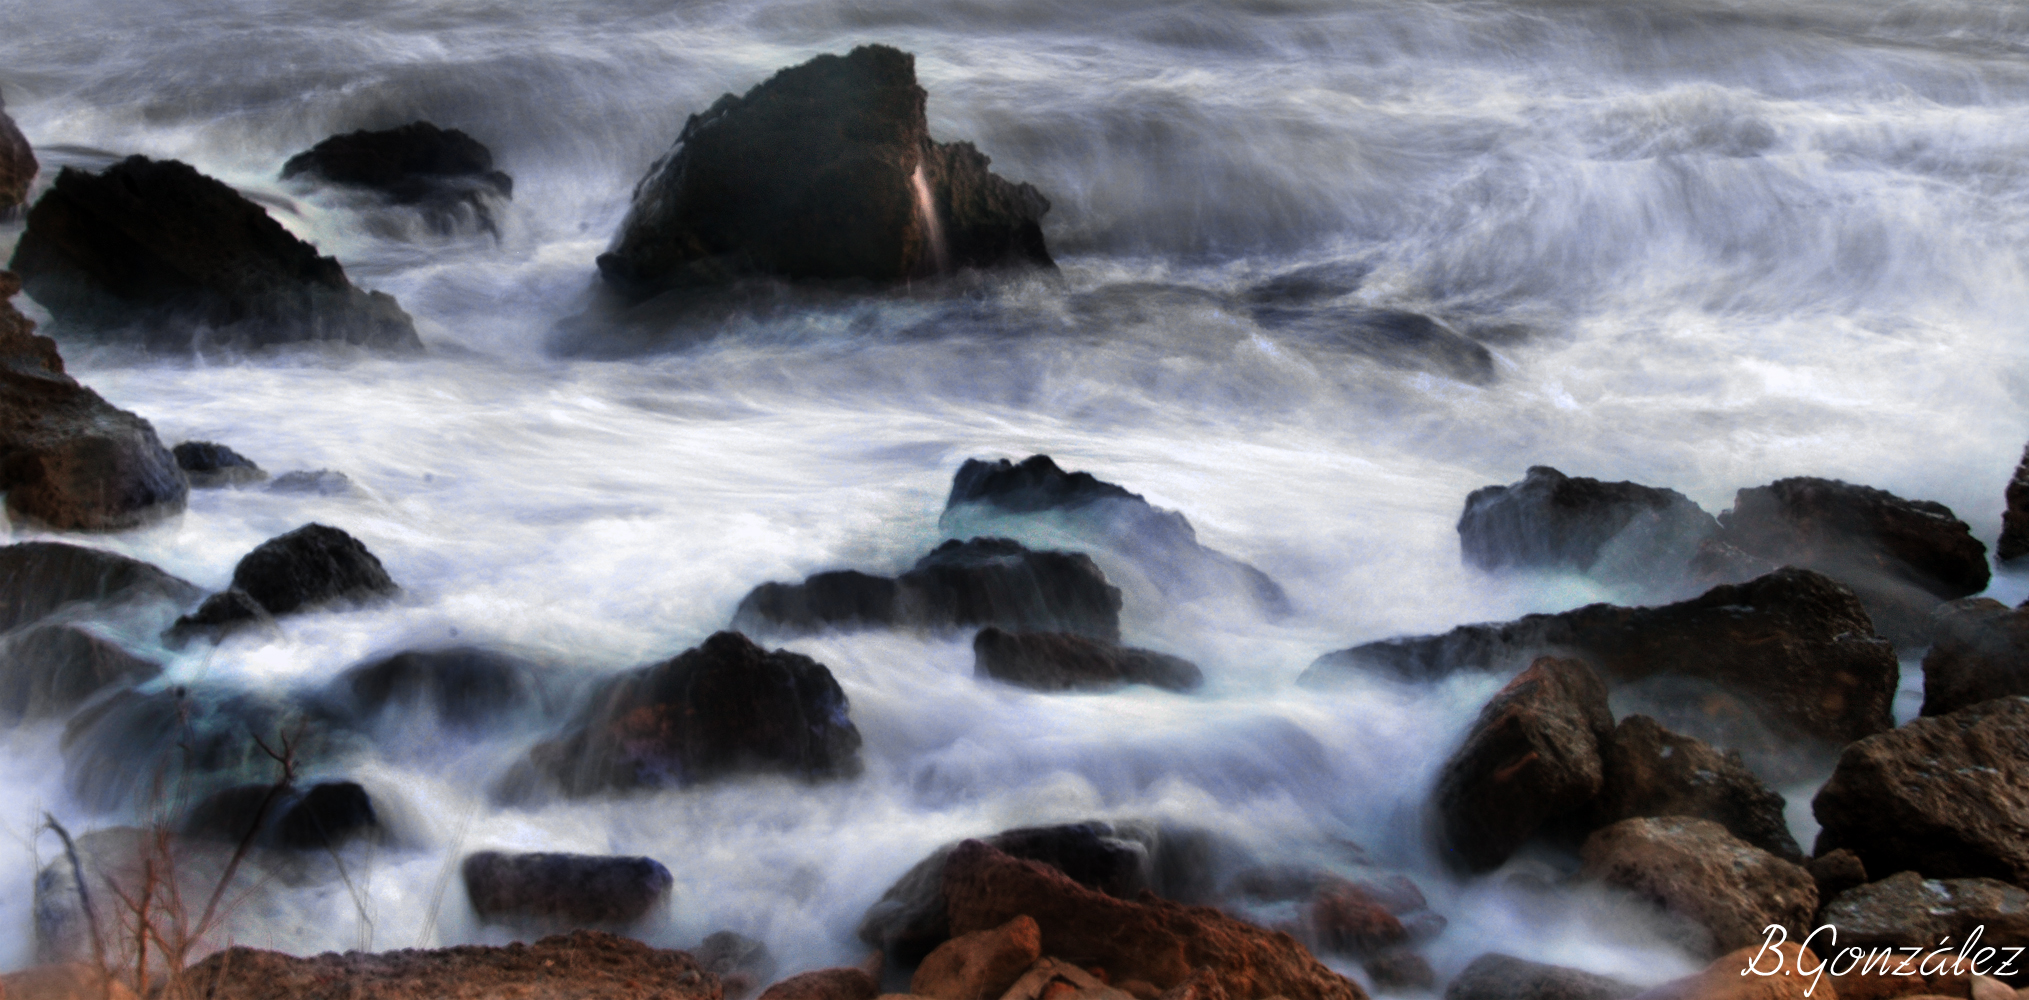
pixel 980 965
pixel 1651 771
pixel 1979 651
pixel 826 984
pixel 1727 890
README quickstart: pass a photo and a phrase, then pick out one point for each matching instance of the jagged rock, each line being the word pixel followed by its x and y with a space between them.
pixel 980 965
pixel 1494 976
pixel 17 164
pixel 1906 909
pixel 1650 771
pixel 1945 795
pixel 443 172
pixel 1727 890
pixel 1160 542
pixel 1979 652
pixel 1531 759
pixel 565 890
pixel 210 465
pixel 320 817
pixel 462 686
pixel 161 256
pixel 723 708
pixel 1057 661
pixel 983 581
pixel 1836 872
pixel 1798 645
pixel 38 579
pixel 821 172
pixel 2014 541
pixel 313 565
pixel 49 669
pixel 1619 531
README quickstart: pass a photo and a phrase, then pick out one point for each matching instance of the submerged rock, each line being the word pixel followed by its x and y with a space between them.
pixel 121 750
pixel 565 890
pixel 1494 976
pixel 1650 771
pixel 442 172
pixel 463 686
pixel 38 579
pixel 1055 661
pixel 210 465
pixel 1615 530
pixel 160 256
pixel 17 164
pixel 318 482
pixel 1394 337
pixel 318 818
pixel 311 566
pixel 48 669
pixel 2014 541
pixel 1980 652
pixel 1728 891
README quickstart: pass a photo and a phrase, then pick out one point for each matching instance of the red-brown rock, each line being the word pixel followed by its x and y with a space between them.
pixel 826 984
pixel 1651 771
pixel 1727 890
pixel 2014 542
pixel 1730 977
pixel 980 965
pixel 583 965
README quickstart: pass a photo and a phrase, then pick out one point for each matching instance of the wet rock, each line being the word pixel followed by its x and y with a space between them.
pixel 566 890
pixel 311 566
pixel 463 686
pixel 1650 771
pixel 38 579
pixel 2014 541
pixel 1159 542
pixel 46 670
pixel 1836 872
pixel 1494 976
pixel 724 708
pixel 17 164
pixel 1726 889
pixel 320 817
pixel 1347 919
pixel 1732 977
pixel 1393 337
pixel 1531 759
pixel 1161 942
pixel 821 173
pixel 1399 970
pixel 1907 910
pixel 1902 557
pixel 442 172
pixel 1056 661
pixel 1618 531
pixel 1795 644
pixel 210 466
pixel 315 482
pixel 161 256
pixel 981 965
pixel 826 984
pixel 983 581
pixel 1979 652
pixel 741 963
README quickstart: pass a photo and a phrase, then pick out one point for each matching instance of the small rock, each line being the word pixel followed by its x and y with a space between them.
pixel 310 566
pixel 1979 651
pixel 321 817
pixel 321 482
pixel 1728 890
pixel 981 965
pixel 565 890
pixel 1650 771
pixel 462 686
pixel 1548 519
pixel 17 164
pixel 1058 661
pixel 741 962
pixel 210 465
pixel 1494 976
pixel 1835 873
pixel 1399 970
pixel 1349 920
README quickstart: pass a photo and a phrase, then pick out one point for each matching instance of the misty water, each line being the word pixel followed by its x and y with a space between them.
pixel 1708 245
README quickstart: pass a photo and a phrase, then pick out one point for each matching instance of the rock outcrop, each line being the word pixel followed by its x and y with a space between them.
pixel 210 465
pixel 1979 651
pixel 1906 909
pixel 1650 771
pixel 1494 976
pixel 1619 531
pixel 825 171
pixel 2014 541
pixel 1058 661
pixel 582 965
pixel 564 890
pixel 158 255
pixel 312 566
pixel 1727 891
pixel 17 164
pixel 441 172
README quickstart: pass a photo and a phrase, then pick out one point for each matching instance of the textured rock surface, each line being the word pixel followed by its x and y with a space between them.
pixel 980 965
pixel 568 890
pixel 584 965
pixel 1695 870
pixel 17 164
pixel 1494 976
pixel 1729 977
pixel 1835 872
pixel 46 670
pixel 1906 909
pixel 2014 542
pixel 210 465
pixel 1650 771
pixel 312 565
pixel 1622 530
pixel 1057 661
pixel 40 578
pixel 825 984
pixel 1979 652
pixel 440 171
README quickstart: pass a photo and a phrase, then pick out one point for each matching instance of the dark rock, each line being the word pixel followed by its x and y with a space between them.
pixel 440 171
pixel 321 817
pixel 322 482
pixel 724 708
pixel 984 581
pixel 157 254
pixel 49 669
pixel 40 578
pixel 1650 771
pixel 571 890
pixel 1160 542
pixel 17 164
pixel 1945 795
pixel 1531 759
pixel 1494 976
pixel 2014 541
pixel 1055 661
pixel 1728 891
pixel 1905 910
pixel 310 566
pixel 1399 970
pixel 1979 652
pixel 212 465
pixel 1621 531
pixel 820 173
pixel 1835 873
pixel 1902 557
pixel 1393 337
pixel 1797 645
pixel 741 962
pixel 119 751
pixel 463 685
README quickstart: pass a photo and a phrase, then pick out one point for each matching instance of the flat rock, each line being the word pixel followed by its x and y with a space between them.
pixel 1619 531
pixel 1650 771
pixel 1727 890
pixel 1979 651
pixel 564 890
pixel 1494 976
pixel 1058 661
pixel 210 465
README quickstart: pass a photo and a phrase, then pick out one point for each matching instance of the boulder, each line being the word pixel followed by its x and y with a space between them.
pixel 1979 651
pixel 442 172
pixel 210 466
pixel 826 984
pixel 1153 940
pixel 1736 976
pixel 1620 531
pixel 825 171
pixel 1394 337
pixel 311 566
pixel 1052 979
pixel 1945 795
pixel 69 460
pixel 1907 910
pixel 1530 760
pixel 565 890
pixel 741 962
pixel 1058 661
pixel 38 579
pixel 724 708
pixel 1795 644
pixel 1902 557
pixel 980 965
pixel 2014 541
pixel 1399 970
pixel 1727 890
pixel 1347 919
pixel 48 669
pixel 161 256
pixel 1494 976
pixel 320 817
pixel 958 585
pixel 1650 771
pixel 463 686
pixel 17 164
pixel 1161 543
pixel 1836 872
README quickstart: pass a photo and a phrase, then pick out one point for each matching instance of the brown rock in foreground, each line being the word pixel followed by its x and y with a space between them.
pixel 980 965
pixel 1730 978
pixel 1979 651
pixel 1694 869
pixel 585 965
pixel 825 984
pixel 17 164
pixel 1494 976
pixel 1908 910
pixel 1152 940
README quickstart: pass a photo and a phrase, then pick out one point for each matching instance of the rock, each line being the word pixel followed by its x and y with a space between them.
pixel 1876 984
pixel 318 482
pixel 46 670
pixel 1725 888
pixel 1902 557
pixel 1907 910
pixel 1494 976
pixel 565 890
pixel 38 579
pixel 1057 661
pixel 1531 759
pixel 159 255
pixel 68 981
pixel 2014 541
pixel 210 466
pixel 1835 873
pixel 442 172
pixel 1650 771
pixel 1989 988
pixel 1733 976
pixel 311 566
pixel 1160 542
pixel 1797 645
pixel 981 965
pixel 462 686
pixel 321 817
pixel 1399 970
pixel 17 164
pixel 1349 920
pixel 1979 652
pixel 582 965
pixel 1619 531
pixel 826 984
pixel 984 581
pixel 1155 940
pixel 69 460
pixel 741 962
pixel 1945 795
pixel 825 171
pixel 724 708
pixel 1051 979
pixel 1394 337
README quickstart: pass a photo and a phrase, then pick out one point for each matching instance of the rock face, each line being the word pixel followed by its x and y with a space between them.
pixel 17 164
pixel 569 890
pixel 312 565
pixel 69 460
pixel 1906 909
pixel 161 256
pixel 1152 940
pixel 824 171
pixel 1494 976
pixel 1695 870
pixel 2014 542
pixel 983 581
pixel 724 708
pixel 440 171
pixel 1161 543
pixel 1056 661
pixel 1979 652
pixel 1650 771
pixel 1947 796
pixel 583 965
pixel 1531 758
pixel 1549 519
pixel 211 465
pixel 1796 644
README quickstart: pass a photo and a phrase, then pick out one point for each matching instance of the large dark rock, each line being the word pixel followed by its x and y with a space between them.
pixel 1159 542
pixel 1727 892
pixel 1650 771
pixel 1394 337
pixel 2014 541
pixel 1531 759
pixel 40 578
pixel 1902 557
pixel 1795 644
pixel 569 890
pixel 440 171
pixel 1906 909
pixel 320 817
pixel 161 256
pixel 68 459
pixel 310 566
pixel 1494 976
pixel 49 669
pixel 210 465
pixel 1619 531
pixel 463 686
pixel 958 585
pixel 724 708
pixel 1055 661
pixel 17 164
pixel 821 172
pixel 1979 652
pixel 1945 795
